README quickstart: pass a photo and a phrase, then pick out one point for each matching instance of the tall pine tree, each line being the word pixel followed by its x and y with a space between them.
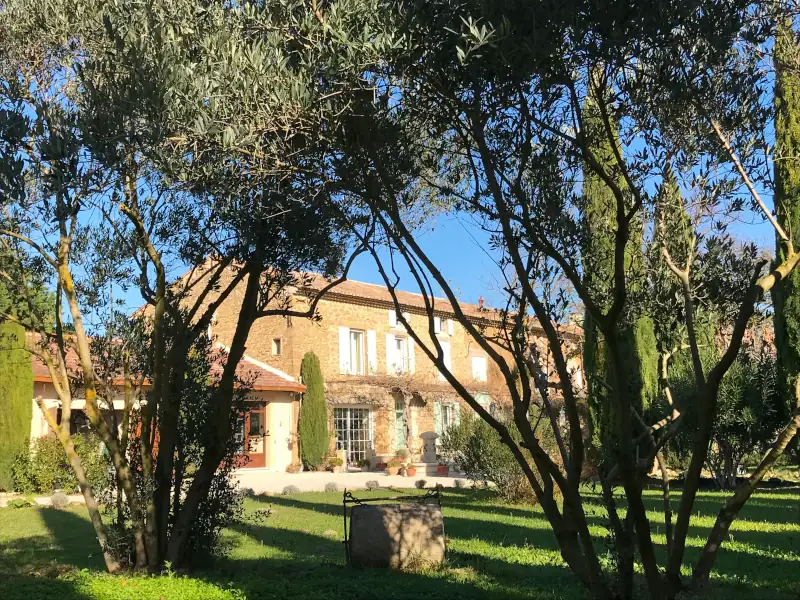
pixel 786 293
pixel 636 336
pixel 313 413
pixel 16 397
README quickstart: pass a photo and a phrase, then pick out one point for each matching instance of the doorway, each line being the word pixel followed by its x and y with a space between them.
pixel 353 432
pixel 254 434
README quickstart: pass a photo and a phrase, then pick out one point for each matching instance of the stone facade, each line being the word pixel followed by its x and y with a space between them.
pixel 419 395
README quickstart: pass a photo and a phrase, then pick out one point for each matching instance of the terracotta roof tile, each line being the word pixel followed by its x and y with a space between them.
pixel 260 376
pixel 358 290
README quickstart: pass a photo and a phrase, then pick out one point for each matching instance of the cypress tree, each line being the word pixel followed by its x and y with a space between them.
pixel 636 337
pixel 313 413
pixel 786 293
pixel 16 397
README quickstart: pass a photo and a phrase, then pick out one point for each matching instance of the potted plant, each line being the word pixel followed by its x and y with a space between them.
pixel 416 453
pixel 393 466
pixel 364 464
pixel 335 464
pixel 411 470
pixel 442 469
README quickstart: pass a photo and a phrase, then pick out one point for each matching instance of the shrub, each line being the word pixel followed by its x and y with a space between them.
pixel 395 461
pixel 420 484
pixel 290 489
pixel 313 424
pixel 335 461
pixel 45 466
pixel 59 500
pixel 331 486
pixel 372 484
pixel 402 454
pixel 477 451
pixel 364 463
pixel 294 468
pixel 19 503
pixel 458 483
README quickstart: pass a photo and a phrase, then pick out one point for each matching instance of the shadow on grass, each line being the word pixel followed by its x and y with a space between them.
pixel 14 586
pixel 316 568
pixel 71 543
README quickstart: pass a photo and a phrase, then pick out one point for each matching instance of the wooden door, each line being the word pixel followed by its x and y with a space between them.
pixel 255 441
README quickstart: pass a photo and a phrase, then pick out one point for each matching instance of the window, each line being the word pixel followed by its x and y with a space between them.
pixel 79 423
pixel 238 435
pixel 394 321
pixel 353 428
pixel 276 347
pixel 450 327
pixel 437 324
pixel 445 415
pixel 479 368
pixel 356 352
pixel 448 416
pixel 400 354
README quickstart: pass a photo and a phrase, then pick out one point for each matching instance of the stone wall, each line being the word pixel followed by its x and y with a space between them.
pixel 300 335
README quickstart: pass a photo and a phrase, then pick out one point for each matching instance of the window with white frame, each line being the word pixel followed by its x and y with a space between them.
pixel 401 354
pixel 437 324
pixel 351 351
pixel 479 368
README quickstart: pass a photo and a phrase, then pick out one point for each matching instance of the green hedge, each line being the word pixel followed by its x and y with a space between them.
pixel 45 466
pixel 16 398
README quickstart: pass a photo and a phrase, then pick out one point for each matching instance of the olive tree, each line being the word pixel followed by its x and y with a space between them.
pixel 137 148
pixel 483 112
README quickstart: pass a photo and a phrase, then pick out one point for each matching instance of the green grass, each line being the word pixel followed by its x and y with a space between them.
pixel 495 552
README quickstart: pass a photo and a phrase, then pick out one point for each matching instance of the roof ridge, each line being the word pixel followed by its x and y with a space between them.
pixel 383 287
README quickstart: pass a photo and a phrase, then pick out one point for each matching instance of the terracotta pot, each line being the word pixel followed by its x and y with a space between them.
pixel 411 471
pixel 443 470
pixel 392 470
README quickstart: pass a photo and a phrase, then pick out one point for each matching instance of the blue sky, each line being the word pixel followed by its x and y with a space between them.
pixel 462 252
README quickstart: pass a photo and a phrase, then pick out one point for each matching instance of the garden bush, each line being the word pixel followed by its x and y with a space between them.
pixel 476 450
pixel 420 484
pixel 290 489
pixel 45 467
pixel 331 486
pixel 372 484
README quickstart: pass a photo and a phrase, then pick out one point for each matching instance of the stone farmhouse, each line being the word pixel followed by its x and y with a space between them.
pixel 383 392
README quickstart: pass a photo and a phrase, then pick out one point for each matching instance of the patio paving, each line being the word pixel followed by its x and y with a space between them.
pixel 264 481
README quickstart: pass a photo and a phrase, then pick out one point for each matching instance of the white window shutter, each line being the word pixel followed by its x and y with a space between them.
pixel 407 317
pixel 392 318
pixel 479 368
pixel 372 352
pixel 411 361
pixel 344 350
pixel 437 324
pixel 456 413
pixel 450 327
pixel 391 361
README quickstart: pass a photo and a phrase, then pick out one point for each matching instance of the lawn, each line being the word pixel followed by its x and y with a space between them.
pixel 495 551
